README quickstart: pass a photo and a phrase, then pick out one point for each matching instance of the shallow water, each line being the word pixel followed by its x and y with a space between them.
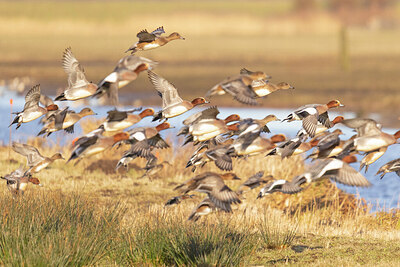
pixel 384 194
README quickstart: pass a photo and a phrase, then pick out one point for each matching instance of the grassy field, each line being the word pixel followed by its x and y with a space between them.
pixel 89 215
pixel 221 38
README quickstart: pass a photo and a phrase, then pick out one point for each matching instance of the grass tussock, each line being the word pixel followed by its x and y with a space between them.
pixel 276 234
pixel 167 242
pixel 55 230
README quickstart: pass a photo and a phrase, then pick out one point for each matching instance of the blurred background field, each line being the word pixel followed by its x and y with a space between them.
pixel 327 49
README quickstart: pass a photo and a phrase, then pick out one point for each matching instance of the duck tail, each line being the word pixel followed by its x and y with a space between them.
pixel 73 156
pixel 288 118
pixel 157 116
pixel 16 119
pixel 61 97
pixel 43 131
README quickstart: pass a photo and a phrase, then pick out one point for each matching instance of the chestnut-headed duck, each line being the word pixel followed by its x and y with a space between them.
pixel 172 104
pixel 153 39
pixel 96 144
pixel 335 169
pixel 281 185
pixel 239 86
pixel 32 110
pixel 118 120
pixel 126 71
pixel 35 161
pixel 18 180
pixel 391 166
pixel 214 186
pixel 78 85
pixel 65 120
pixel 311 114
pixel 263 88
pixel 205 207
pixel 253 144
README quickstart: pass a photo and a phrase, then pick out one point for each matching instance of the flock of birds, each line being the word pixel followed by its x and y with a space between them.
pixel 215 139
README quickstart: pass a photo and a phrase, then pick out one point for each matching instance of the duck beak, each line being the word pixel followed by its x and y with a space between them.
pixel 341 105
pixel 236 178
pixel 291 87
pixel 267 77
pixel 40 185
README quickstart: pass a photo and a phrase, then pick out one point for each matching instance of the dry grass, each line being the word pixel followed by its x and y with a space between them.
pixel 318 223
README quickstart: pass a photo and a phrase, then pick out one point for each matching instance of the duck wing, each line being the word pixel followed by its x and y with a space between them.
pixel 324 120
pixel 364 127
pixel 32 97
pixel 310 124
pixel 115 115
pixel 240 91
pixel 74 70
pixel 221 158
pixel 329 141
pixel 31 153
pixel 158 142
pixel 159 31
pixel 349 176
pixel 165 89
pixel 145 37
pixel 209 113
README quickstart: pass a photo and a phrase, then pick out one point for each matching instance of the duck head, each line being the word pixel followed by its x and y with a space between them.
pixel 175 36
pixel 34 180
pixel 233 127
pixel 52 107
pixel 349 159
pixel 229 176
pixel 86 112
pixel 147 112
pixel 338 132
pixel 284 86
pixel 142 67
pixel 57 156
pixel 120 137
pixel 397 135
pixel 270 118
pixel 199 101
pixel 334 104
pixel 233 117
pixel 337 120
pixel 278 138
pixel 163 126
